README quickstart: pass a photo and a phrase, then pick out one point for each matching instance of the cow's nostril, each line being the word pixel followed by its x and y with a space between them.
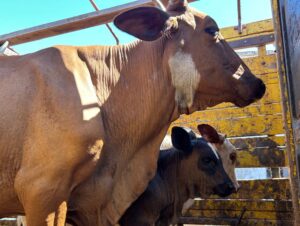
pixel 230 185
pixel 238 187
pixel 260 90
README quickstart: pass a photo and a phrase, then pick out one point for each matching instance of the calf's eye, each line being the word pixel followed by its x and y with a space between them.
pixel 207 160
pixel 233 157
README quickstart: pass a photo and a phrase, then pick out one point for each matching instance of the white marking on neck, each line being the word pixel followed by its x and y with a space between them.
pixel 166 143
pixel 88 96
pixel 187 205
pixel 213 149
pixel 185 78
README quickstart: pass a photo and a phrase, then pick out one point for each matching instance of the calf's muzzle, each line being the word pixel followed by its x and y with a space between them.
pixel 224 189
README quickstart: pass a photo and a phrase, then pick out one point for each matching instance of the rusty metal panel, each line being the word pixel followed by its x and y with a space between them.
pixel 255 212
pixel 287 95
pixel 256 125
pixel 253 41
pixel 233 221
pixel 229 112
pixel 291 26
pixel 224 213
pixel 250 205
pixel 261 157
pixel 277 189
pixel 262 64
pixel 243 143
pixel 255 28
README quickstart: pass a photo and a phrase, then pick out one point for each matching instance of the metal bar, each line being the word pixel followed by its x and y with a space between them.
pixel 286 112
pixel 107 25
pixel 160 5
pixel 253 41
pixel 5 50
pixel 70 24
pixel 207 221
pixel 3 47
pixel 240 26
pixel 239 221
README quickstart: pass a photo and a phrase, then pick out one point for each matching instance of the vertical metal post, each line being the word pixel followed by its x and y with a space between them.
pixel 160 5
pixel 5 50
pixel 240 26
pixel 107 25
pixel 290 146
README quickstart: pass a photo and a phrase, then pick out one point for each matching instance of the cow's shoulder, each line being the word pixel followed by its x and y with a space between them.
pixel 52 57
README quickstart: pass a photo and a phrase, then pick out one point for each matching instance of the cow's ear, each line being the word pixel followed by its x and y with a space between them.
pixel 145 23
pixel 209 133
pixel 181 139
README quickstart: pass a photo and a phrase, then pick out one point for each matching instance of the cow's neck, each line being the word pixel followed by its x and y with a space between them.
pixel 137 105
pixel 138 98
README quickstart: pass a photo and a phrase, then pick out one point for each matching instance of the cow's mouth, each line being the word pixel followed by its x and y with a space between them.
pixel 244 98
pixel 243 103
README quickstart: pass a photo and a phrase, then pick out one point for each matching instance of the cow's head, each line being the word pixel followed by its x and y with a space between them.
pixel 201 167
pixel 205 70
pixel 225 149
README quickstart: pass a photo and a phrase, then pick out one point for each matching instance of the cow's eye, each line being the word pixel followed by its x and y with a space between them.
pixel 213 31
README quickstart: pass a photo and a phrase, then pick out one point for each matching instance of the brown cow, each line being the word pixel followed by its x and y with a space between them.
pixel 183 173
pixel 82 125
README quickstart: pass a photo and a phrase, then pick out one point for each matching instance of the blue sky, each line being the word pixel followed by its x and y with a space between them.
pixel 20 14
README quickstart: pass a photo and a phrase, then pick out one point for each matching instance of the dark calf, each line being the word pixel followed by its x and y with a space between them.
pixel 192 168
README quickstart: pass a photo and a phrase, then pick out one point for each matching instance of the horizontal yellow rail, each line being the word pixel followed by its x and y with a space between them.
pixel 255 28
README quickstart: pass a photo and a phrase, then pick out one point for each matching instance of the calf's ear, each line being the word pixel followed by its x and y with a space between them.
pixel 209 133
pixel 145 23
pixel 181 139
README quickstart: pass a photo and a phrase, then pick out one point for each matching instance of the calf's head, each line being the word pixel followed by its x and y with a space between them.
pixel 200 167
pixel 225 149
pixel 205 70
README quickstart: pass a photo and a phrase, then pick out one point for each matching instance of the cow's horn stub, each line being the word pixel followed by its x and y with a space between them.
pixel 177 5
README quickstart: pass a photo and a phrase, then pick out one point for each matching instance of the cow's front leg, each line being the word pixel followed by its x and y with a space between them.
pixel 44 198
pixel 132 181
pixel 45 180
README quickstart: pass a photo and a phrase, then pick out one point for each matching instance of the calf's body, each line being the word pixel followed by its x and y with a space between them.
pixel 180 176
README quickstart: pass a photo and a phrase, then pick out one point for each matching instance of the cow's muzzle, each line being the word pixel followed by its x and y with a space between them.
pixel 260 90
pixel 224 189
pixel 249 94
